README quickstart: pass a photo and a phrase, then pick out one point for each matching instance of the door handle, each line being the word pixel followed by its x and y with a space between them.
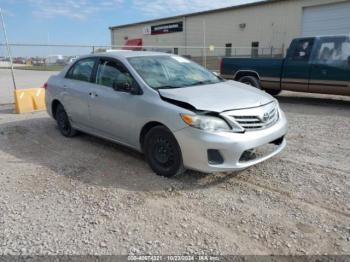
pixel 93 94
pixel 322 69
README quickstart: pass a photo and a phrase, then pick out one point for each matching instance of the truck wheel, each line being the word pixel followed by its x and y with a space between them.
pixel 250 80
pixel 163 152
pixel 273 92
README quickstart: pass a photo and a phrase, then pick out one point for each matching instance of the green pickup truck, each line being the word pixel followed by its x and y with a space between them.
pixel 312 64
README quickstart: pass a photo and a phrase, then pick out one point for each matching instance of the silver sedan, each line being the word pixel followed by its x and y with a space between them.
pixel 176 112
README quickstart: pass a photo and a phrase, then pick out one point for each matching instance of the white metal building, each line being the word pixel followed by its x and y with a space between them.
pixel 267 24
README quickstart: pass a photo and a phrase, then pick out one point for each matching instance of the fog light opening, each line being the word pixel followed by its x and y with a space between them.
pixel 278 141
pixel 214 157
pixel 248 155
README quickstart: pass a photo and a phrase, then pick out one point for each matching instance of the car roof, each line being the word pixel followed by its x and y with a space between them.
pixel 118 54
pixel 127 54
pixel 323 36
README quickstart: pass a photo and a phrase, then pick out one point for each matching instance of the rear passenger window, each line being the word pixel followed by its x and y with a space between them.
pixel 334 51
pixel 82 70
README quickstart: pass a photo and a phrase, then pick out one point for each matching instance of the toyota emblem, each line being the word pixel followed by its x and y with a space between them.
pixel 266 117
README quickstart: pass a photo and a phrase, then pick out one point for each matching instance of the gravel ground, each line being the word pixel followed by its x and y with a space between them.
pixel 88 196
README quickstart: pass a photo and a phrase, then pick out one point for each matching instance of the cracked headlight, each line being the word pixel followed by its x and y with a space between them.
pixel 207 123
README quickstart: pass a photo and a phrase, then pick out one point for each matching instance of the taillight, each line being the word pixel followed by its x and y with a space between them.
pixel 45 86
pixel 221 65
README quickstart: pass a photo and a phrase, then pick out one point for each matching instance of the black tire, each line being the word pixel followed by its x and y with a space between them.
pixel 250 80
pixel 162 152
pixel 273 92
pixel 63 122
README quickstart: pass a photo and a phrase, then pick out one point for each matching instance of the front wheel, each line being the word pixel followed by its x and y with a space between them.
pixel 273 92
pixel 162 152
pixel 250 80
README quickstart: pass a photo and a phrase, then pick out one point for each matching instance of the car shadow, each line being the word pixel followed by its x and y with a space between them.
pixel 92 160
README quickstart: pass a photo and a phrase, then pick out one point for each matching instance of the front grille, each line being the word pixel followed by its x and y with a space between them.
pixel 254 118
pixel 254 122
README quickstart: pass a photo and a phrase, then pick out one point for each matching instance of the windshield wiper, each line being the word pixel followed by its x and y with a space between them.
pixel 168 87
pixel 207 82
pixel 203 83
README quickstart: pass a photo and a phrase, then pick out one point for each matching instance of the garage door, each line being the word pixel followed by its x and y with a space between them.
pixel 333 19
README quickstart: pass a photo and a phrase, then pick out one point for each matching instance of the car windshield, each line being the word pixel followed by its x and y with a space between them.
pixel 166 72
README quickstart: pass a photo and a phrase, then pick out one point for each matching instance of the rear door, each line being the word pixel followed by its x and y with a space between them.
pixel 111 111
pixel 76 86
pixel 330 71
pixel 296 70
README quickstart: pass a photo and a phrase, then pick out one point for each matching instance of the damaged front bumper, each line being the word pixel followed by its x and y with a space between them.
pixel 209 152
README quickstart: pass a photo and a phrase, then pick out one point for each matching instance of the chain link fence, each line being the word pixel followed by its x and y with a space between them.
pixel 210 57
pixel 35 63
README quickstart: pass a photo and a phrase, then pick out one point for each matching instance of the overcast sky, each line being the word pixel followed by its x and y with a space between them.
pixel 87 21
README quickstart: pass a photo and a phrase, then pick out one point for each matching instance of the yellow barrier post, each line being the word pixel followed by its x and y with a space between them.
pixel 30 100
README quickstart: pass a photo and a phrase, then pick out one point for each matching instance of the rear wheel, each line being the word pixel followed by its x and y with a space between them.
pixel 273 92
pixel 63 122
pixel 162 152
pixel 250 80
pixel 253 81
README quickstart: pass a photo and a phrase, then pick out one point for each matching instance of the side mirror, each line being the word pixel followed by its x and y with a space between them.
pixel 126 87
pixel 122 86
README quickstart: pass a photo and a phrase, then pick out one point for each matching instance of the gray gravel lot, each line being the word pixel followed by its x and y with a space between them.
pixel 88 196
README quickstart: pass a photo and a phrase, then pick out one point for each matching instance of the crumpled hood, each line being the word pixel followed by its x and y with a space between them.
pixel 219 97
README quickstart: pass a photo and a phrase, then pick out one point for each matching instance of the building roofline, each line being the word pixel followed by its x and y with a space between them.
pixel 262 2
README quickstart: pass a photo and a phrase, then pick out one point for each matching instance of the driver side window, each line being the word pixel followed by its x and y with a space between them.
pixel 110 72
pixel 303 49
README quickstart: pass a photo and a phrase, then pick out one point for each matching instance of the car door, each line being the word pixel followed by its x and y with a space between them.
pixel 296 70
pixel 111 111
pixel 76 86
pixel 330 71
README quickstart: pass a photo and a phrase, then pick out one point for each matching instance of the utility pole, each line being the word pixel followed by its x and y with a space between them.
pixel 204 44
pixel 8 50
